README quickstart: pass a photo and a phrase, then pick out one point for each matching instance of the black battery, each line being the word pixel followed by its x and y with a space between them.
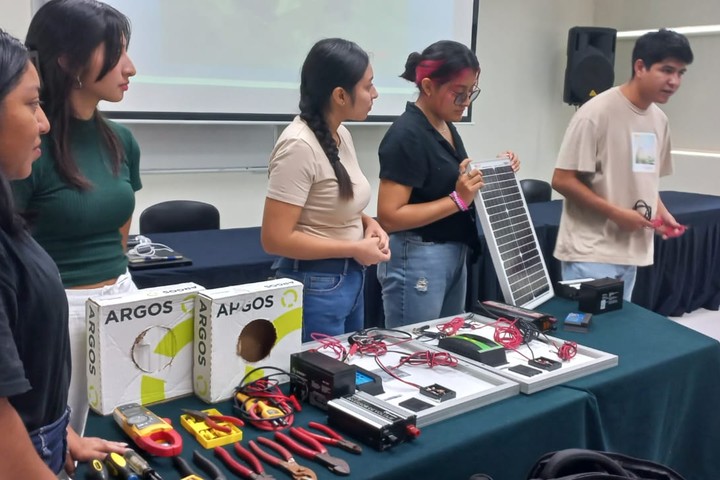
pixel 601 295
pixel 319 378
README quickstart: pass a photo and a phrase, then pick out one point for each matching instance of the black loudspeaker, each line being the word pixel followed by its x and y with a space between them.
pixel 590 63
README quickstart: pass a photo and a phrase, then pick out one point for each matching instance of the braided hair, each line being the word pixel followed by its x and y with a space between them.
pixel 331 63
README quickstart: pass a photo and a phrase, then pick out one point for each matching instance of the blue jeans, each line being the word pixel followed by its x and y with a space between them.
pixel 333 294
pixel 50 442
pixel 423 280
pixel 626 273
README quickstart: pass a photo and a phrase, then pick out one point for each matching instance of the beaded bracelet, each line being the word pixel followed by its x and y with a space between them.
pixel 459 201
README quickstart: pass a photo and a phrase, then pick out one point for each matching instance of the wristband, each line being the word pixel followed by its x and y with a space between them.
pixel 459 201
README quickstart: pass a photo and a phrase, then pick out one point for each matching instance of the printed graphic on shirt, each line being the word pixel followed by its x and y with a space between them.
pixel 644 152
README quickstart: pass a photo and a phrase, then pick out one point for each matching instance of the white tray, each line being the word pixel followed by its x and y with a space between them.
pixel 586 361
pixel 474 387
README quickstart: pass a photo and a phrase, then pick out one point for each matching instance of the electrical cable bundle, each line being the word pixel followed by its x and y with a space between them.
pixel 262 403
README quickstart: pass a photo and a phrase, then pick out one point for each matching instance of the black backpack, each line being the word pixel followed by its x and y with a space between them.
pixel 580 464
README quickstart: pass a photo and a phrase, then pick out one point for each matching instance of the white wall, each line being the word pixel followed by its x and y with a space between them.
pixel 694 111
pixel 521 47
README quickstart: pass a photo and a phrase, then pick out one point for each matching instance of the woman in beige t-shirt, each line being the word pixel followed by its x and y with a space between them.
pixel 316 195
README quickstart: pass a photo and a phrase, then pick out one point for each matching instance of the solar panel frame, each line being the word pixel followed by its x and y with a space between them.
pixel 510 235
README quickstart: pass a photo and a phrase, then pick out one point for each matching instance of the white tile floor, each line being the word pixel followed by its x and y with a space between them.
pixel 704 321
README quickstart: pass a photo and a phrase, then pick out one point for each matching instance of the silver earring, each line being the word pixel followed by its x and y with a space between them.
pixel 78 83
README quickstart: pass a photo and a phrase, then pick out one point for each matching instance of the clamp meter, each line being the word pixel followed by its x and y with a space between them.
pixel 151 433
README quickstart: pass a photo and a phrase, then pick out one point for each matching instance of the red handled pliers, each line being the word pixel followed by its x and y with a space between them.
pixel 297 471
pixel 317 451
pixel 333 438
pixel 257 472
pixel 212 420
pixel 666 230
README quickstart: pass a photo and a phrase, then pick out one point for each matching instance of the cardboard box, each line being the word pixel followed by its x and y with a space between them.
pixel 140 346
pixel 241 328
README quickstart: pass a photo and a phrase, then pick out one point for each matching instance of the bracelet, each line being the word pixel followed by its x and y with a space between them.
pixel 459 201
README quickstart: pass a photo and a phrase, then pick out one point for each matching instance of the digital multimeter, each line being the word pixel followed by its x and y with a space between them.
pixel 151 433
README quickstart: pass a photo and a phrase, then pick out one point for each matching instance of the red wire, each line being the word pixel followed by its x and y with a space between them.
pixel 451 327
pixel 567 351
pixel 328 342
pixel 507 334
pixel 431 359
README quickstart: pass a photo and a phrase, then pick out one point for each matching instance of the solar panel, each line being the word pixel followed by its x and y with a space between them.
pixel 510 236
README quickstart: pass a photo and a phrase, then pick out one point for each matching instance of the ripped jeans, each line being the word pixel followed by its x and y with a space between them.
pixel 423 280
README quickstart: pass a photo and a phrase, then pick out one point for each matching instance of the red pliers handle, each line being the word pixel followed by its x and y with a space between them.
pixel 666 230
pixel 257 473
pixel 333 438
pixel 297 471
pixel 317 451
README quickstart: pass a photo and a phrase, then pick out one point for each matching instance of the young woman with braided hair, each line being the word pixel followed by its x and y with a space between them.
pixel 316 195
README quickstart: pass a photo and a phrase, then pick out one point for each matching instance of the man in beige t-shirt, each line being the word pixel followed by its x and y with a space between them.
pixel 615 150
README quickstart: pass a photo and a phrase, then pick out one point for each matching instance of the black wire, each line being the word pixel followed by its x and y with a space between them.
pixel 645 209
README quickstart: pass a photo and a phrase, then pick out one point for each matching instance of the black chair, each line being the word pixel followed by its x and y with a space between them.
pixel 536 191
pixel 179 216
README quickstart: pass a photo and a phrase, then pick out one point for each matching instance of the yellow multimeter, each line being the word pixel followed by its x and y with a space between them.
pixel 151 433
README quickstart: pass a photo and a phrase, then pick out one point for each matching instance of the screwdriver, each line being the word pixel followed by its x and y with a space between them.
pixel 118 467
pixel 97 471
pixel 140 465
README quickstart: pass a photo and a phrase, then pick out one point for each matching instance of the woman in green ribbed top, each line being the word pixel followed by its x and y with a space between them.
pixel 80 196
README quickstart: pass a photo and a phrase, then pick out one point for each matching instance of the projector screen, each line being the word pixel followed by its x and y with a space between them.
pixel 240 60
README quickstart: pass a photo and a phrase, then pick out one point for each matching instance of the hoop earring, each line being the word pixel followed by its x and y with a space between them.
pixel 78 83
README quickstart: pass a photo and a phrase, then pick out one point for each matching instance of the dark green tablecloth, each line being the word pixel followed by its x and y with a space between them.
pixel 659 403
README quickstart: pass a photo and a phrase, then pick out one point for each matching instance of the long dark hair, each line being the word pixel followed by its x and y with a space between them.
pixel 441 62
pixel 72 30
pixel 331 63
pixel 13 63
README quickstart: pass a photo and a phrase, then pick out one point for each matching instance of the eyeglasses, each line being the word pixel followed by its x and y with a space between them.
pixel 461 98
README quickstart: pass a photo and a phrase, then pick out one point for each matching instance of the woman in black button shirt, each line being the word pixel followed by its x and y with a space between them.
pixel 425 199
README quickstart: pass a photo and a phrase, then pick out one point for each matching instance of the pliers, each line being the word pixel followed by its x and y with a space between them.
pixel 257 472
pixel 212 420
pixel 206 465
pixel 333 438
pixel 317 451
pixel 297 471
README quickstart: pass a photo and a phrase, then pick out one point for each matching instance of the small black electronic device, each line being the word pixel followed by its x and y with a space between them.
pixel 545 363
pixel 437 392
pixel 374 422
pixel 525 370
pixel 475 347
pixel 543 321
pixel 415 404
pixel 601 295
pixel 320 378
pixel 577 322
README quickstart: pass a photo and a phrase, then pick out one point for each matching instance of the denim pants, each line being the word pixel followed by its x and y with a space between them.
pixel 423 280
pixel 626 273
pixel 50 442
pixel 333 294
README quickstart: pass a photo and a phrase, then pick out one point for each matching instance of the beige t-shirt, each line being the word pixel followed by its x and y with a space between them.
pixel 621 151
pixel 300 174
